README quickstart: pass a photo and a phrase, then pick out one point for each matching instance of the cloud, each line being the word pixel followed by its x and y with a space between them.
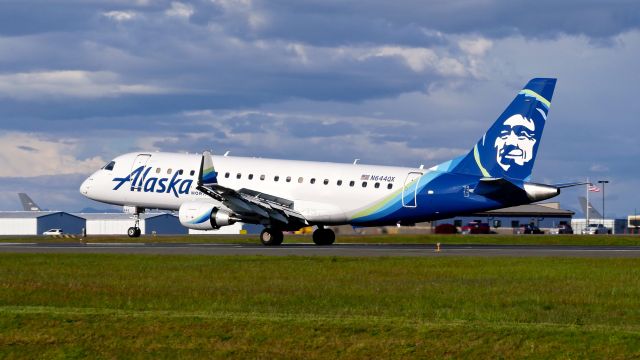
pixel 70 83
pixel 120 16
pixel 421 59
pixel 28 155
pixel 180 10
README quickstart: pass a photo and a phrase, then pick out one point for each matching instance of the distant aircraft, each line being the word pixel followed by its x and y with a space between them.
pixel 593 213
pixel 212 191
pixel 27 203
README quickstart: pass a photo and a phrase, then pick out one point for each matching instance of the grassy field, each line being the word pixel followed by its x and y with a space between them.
pixel 613 240
pixel 114 306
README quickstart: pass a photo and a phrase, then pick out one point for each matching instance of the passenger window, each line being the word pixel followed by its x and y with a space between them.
pixel 351 183
pixel 192 172
pixel 326 181
pixel 300 180
pixel 180 172
pixel 313 180
pixel 158 170
pixel 276 178
pixel 288 179
pixel 238 176
pixel 339 182
pixel 169 171
pixel 261 177
pixel 250 176
pixel 377 185
pixel 364 184
pixel 226 175
pixel 390 186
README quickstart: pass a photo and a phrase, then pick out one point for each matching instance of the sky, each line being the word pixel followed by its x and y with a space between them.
pixel 389 82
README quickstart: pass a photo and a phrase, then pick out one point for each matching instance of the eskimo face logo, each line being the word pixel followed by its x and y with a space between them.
pixel 515 142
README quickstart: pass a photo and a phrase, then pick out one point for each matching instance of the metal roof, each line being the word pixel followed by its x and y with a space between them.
pixel 118 216
pixel 28 214
pixel 527 210
pixel 88 216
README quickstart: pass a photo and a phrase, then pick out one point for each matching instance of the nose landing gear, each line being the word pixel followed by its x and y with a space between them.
pixel 135 231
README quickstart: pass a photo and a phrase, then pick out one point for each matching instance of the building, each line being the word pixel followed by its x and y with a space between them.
pixel 37 222
pixel 119 223
pixel 544 215
pixel 150 224
pixel 617 226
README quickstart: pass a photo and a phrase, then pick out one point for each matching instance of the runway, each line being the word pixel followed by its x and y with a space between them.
pixel 353 250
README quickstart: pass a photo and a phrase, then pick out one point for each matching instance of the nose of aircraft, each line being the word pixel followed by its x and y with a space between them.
pixel 85 186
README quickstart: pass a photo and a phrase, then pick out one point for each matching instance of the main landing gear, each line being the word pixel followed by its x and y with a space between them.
pixel 271 237
pixel 134 231
pixel 274 237
pixel 324 236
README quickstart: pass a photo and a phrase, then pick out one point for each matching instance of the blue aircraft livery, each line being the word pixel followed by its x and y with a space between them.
pixel 508 149
pixel 140 182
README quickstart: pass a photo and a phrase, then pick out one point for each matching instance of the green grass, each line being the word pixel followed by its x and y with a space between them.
pixel 612 240
pixel 114 306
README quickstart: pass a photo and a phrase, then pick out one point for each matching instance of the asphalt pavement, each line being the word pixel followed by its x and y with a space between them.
pixel 357 250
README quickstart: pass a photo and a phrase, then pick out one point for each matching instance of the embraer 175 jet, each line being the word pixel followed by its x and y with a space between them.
pixel 211 191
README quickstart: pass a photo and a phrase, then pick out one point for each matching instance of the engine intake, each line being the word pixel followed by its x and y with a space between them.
pixel 204 216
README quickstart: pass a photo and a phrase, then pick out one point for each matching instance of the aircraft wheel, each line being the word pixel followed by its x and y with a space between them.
pixel 133 232
pixel 324 236
pixel 271 237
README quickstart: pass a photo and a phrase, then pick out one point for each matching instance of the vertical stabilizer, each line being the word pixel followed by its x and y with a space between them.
pixel 27 203
pixel 593 213
pixel 508 149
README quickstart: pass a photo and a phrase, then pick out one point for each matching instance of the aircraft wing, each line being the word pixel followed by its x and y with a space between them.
pixel 249 205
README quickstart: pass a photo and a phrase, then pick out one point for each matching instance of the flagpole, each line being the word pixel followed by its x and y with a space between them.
pixel 587 219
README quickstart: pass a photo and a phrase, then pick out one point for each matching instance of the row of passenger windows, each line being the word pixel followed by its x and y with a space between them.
pixel 180 172
pixel 276 178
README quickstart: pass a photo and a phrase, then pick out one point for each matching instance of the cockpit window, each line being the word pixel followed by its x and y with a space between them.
pixel 109 166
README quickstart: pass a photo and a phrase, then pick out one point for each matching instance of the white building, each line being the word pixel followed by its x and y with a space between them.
pixel 617 226
pixel 150 223
pixel 119 223
pixel 37 222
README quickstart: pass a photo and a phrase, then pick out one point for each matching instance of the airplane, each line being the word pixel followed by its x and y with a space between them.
pixel 211 191
pixel 584 204
pixel 27 203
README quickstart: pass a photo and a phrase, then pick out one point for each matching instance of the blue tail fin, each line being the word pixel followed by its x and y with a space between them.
pixel 508 149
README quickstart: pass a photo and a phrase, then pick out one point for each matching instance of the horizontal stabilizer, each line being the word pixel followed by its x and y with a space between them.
pixel 566 185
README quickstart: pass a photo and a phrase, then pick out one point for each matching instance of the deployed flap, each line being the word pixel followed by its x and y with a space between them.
pixel 249 205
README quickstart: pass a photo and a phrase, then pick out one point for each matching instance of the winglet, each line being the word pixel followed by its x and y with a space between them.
pixel 208 174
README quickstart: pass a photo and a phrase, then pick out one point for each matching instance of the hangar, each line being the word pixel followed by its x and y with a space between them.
pixel 37 222
pixel 118 223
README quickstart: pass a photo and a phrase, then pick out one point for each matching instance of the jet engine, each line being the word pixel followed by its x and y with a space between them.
pixel 204 216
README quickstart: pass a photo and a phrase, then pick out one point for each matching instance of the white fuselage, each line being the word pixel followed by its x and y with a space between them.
pixel 329 193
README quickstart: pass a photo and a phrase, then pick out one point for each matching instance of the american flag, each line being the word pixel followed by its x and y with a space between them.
pixel 593 188
pixel 364 177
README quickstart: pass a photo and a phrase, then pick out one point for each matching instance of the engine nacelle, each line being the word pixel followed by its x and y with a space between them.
pixel 203 216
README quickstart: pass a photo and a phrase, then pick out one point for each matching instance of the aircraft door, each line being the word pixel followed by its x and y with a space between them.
pixel 410 190
pixel 140 160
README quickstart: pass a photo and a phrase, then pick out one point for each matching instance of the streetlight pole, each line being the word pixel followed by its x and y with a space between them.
pixel 603 182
